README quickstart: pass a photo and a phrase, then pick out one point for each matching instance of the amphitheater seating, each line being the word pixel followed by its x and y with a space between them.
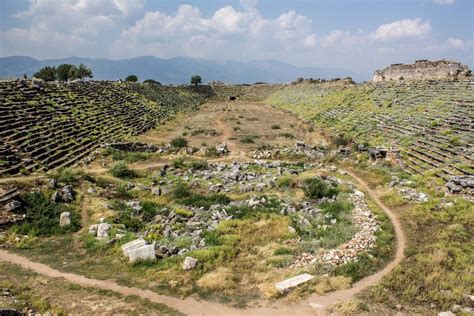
pixel 45 126
pixel 432 121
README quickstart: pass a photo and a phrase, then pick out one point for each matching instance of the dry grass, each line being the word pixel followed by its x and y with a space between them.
pixel 219 279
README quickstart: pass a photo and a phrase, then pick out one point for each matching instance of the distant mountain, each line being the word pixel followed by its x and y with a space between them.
pixel 177 70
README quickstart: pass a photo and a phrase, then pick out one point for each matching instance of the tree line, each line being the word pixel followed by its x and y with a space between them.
pixel 67 72
pixel 63 72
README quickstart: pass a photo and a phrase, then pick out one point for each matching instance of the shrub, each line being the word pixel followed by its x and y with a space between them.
pixel 199 165
pixel 211 237
pixel 283 251
pixel 181 191
pixel 149 210
pixel 120 170
pixel 42 216
pixel 275 126
pixel 67 176
pixel 247 139
pixel 178 163
pixel 316 188
pixel 179 142
pixel 198 200
pixel 152 81
pixel 342 140
pixel 212 152
pixel 131 78
pixel 285 182
pixel 183 212
pixel 287 135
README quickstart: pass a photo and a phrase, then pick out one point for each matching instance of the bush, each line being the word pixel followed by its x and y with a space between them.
pixel 183 212
pixel 120 170
pixel 287 135
pixel 285 182
pixel 181 191
pixel 316 188
pixel 275 126
pixel 212 152
pixel 129 157
pixel 199 165
pixel 67 176
pixel 42 216
pixel 131 78
pixel 211 237
pixel 248 139
pixel 179 142
pixel 152 81
pixel 149 210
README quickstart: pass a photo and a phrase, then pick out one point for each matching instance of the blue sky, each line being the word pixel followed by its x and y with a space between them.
pixel 357 35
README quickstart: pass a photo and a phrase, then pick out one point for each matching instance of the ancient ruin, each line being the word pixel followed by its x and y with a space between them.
pixel 424 70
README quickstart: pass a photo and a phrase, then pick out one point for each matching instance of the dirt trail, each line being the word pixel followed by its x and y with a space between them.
pixel 314 305
pixel 227 132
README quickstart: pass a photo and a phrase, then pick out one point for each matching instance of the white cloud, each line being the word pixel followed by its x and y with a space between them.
pixel 122 29
pixel 311 40
pixel 444 2
pixel 229 30
pixel 405 28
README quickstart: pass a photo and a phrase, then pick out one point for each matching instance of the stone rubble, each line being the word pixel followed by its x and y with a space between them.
pixel 408 193
pixel 299 149
pixel 362 241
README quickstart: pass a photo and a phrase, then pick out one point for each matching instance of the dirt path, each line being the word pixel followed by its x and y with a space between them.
pixel 314 305
pixel 227 133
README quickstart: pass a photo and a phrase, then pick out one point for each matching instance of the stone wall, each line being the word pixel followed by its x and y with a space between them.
pixel 424 70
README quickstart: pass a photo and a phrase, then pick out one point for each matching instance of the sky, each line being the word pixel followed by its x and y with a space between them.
pixel 357 35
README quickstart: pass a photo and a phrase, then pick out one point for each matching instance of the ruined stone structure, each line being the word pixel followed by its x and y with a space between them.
pixel 424 70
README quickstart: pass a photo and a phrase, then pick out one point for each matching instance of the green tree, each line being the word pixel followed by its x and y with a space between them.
pixel 64 72
pixel 196 79
pixel 152 81
pixel 131 78
pixel 47 73
pixel 80 72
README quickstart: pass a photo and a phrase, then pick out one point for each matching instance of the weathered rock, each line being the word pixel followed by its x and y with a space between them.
pixel 65 219
pixel 189 263
pixel 290 283
pixel 93 229
pixel 91 190
pixel 55 197
pixel 222 148
pixel 66 193
pixel 139 250
pixel 447 313
pixel 103 230
pixel 51 184
pixel 12 206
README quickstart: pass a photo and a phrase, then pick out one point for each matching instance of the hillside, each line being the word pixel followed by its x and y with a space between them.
pixel 45 126
pixel 177 70
pixel 429 125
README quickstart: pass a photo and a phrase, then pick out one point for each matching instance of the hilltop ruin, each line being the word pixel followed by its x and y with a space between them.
pixel 424 70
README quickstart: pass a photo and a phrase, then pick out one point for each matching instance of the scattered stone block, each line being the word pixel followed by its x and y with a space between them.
pixel 103 230
pixel 145 252
pixel 65 219
pixel 189 263
pixel 288 284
